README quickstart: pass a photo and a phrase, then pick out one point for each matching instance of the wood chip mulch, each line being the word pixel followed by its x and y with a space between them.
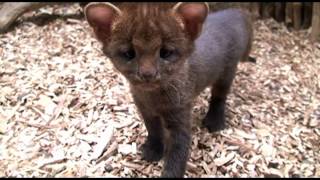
pixel 65 112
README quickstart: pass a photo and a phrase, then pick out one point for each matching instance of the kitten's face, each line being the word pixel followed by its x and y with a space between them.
pixel 146 42
pixel 148 51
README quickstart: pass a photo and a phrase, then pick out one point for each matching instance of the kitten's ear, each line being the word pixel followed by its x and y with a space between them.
pixel 100 17
pixel 193 16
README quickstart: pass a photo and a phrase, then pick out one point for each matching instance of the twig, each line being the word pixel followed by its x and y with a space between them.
pixel 57 110
pixel 109 152
pixel 54 161
pixel 205 167
pixel 191 166
pixel 40 126
pixel 131 165
pixel 238 143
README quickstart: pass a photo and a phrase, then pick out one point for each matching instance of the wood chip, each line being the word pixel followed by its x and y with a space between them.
pixel 131 165
pixel 113 148
pixel 244 134
pixel 205 167
pixel 127 148
pixel 267 150
pixel 60 96
pixel 103 142
pixel 57 110
pixel 3 124
pixel 52 161
pixel 191 166
pixel 223 160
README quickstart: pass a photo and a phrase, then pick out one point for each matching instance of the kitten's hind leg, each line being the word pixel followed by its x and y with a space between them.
pixel 215 118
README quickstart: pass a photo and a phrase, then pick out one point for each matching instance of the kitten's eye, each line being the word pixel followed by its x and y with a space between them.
pixel 165 53
pixel 129 54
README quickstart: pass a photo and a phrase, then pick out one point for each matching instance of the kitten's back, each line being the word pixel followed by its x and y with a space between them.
pixel 225 40
pixel 230 29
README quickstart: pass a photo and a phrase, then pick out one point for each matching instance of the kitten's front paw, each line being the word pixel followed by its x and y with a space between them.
pixel 152 151
pixel 214 123
pixel 171 174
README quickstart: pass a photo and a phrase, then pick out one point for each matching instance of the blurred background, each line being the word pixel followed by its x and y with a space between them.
pixel 295 15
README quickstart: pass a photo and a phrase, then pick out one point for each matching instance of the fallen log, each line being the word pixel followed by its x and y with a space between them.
pixel 10 11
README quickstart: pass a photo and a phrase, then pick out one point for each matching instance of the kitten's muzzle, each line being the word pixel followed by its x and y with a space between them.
pixel 149 76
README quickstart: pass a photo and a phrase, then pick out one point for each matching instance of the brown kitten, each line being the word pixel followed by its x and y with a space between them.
pixel 159 49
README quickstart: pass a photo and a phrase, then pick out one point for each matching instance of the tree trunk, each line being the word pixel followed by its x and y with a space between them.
pixel 279 14
pixel 267 10
pixel 307 15
pixel 315 33
pixel 296 7
pixel 10 11
pixel 255 9
pixel 289 14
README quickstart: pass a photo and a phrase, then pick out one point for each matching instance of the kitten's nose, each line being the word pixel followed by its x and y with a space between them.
pixel 148 75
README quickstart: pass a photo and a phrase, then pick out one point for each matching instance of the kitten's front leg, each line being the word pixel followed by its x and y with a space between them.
pixel 178 123
pixel 153 148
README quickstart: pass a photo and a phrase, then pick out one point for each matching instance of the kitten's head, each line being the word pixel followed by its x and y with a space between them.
pixel 147 42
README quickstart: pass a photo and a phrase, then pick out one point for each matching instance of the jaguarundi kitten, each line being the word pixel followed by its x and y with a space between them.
pixel 169 53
